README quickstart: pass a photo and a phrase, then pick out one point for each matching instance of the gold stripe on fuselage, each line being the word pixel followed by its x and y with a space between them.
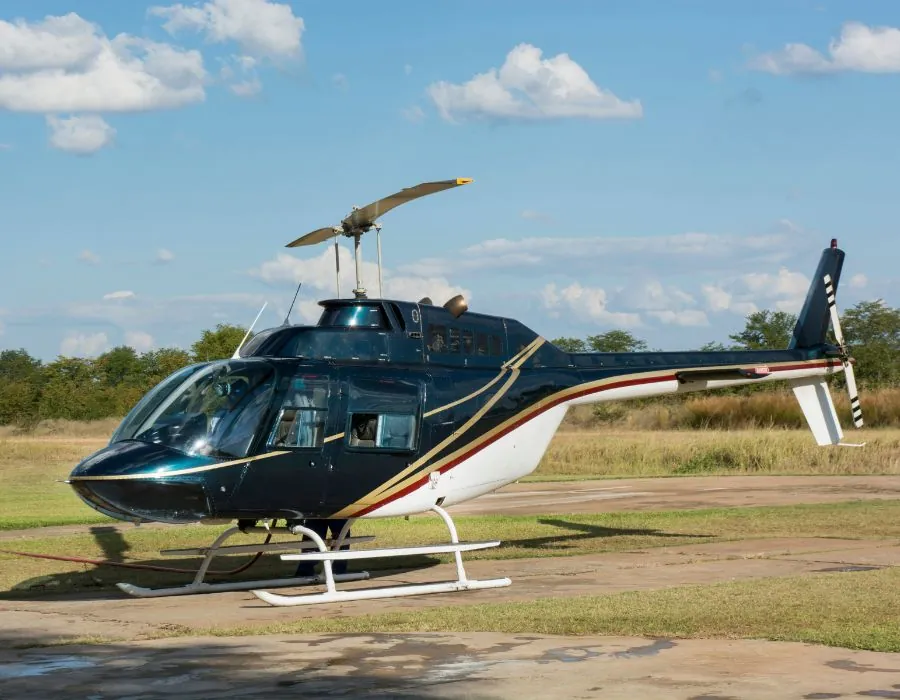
pixel 558 397
pixel 179 472
pixel 388 487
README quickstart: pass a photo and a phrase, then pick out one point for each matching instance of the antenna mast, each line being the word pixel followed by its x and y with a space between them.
pixel 288 316
pixel 244 339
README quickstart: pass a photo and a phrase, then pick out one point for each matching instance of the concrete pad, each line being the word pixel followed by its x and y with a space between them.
pixel 120 617
pixel 451 666
pixel 676 493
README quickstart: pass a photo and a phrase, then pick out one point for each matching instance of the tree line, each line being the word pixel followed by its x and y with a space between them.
pixel 110 384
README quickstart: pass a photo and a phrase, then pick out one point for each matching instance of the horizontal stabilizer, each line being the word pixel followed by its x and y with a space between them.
pixel 818 409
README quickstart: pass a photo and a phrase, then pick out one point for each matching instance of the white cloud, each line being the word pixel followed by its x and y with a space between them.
pixel 413 114
pixel 858 281
pixel 530 87
pixel 742 295
pixel 122 294
pixel 859 48
pixel 318 272
pixel 687 317
pixel 81 135
pixel 589 301
pixel 261 28
pixel 534 215
pixel 66 64
pixel 89 257
pixel 54 42
pixel 164 255
pixel 561 251
pixel 139 340
pixel 717 299
pixel 246 88
pixel 82 345
pixel 5 146
pixel 652 295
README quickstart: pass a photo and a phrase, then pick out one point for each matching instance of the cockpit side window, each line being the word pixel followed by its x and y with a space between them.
pixel 386 431
pixel 303 414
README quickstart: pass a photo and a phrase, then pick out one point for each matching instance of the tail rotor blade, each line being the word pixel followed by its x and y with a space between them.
pixel 854 395
pixel 855 408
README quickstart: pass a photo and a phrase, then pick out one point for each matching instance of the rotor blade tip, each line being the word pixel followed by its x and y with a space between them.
pixel 463 180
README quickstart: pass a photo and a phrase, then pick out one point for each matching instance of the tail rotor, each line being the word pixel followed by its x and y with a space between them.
pixel 844 354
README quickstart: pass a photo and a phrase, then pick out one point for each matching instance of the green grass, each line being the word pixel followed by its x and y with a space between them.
pixel 31 492
pixel 521 537
pixel 854 610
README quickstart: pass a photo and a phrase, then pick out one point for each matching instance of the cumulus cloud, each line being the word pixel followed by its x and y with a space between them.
pixel 164 256
pixel 119 295
pixel 528 87
pixel 89 257
pixel 80 135
pixel 413 114
pixel 67 64
pixel 686 317
pixel 84 345
pixel 744 294
pixel 565 251
pixel 318 272
pixel 858 281
pixel 859 48
pixel 261 28
pixel 139 340
pixel 590 301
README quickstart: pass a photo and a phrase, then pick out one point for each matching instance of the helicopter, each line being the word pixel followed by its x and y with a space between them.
pixel 388 407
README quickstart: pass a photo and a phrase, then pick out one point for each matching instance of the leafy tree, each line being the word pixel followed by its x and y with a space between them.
pixel 18 365
pixel 766 330
pixel 714 346
pixel 872 333
pixel 118 366
pixel 616 341
pixel 218 344
pixel 570 344
pixel 156 365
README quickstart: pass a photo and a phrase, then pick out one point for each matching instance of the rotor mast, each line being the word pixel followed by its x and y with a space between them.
pixel 363 219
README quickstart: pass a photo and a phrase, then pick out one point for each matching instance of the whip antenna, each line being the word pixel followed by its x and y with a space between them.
pixel 244 339
pixel 287 317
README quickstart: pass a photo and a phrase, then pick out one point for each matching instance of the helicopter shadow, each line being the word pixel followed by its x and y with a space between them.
pixel 97 582
pixel 583 532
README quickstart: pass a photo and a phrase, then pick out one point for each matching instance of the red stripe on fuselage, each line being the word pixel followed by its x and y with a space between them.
pixel 537 411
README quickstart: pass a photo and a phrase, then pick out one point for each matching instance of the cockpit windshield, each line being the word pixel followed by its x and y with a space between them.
pixel 215 412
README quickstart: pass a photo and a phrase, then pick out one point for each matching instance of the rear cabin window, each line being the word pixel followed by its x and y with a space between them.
pixel 453 340
pixel 302 416
pixel 496 346
pixel 481 344
pixel 437 338
pixel 468 342
pixel 387 431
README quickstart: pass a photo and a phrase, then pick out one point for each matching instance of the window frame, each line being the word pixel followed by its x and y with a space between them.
pixel 270 440
pixel 414 433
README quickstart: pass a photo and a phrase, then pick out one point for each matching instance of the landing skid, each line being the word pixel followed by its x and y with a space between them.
pixel 332 595
pixel 198 585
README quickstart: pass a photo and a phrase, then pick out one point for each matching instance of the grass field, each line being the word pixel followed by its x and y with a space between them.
pixel 855 611
pixel 32 466
pixel 521 536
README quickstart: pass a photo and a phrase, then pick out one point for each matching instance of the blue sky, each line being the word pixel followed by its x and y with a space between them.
pixel 659 166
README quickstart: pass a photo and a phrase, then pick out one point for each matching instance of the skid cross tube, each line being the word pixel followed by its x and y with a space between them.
pixel 332 595
pixel 198 585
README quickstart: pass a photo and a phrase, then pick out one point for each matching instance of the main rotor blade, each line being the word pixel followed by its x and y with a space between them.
pixel 367 215
pixel 317 236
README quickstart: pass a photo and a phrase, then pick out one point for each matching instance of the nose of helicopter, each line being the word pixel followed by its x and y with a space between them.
pixel 138 481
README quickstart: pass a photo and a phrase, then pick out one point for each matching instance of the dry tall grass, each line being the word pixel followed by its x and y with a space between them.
pixel 624 452
pixel 881 409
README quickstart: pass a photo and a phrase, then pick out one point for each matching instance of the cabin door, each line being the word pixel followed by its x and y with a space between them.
pixel 382 422
pixel 291 481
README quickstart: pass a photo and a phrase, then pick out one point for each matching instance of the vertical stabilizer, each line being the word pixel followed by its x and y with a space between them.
pixel 818 409
pixel 812 323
